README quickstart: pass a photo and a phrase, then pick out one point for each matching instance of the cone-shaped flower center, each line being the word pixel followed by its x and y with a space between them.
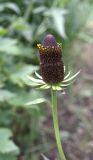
pixel 51 63
pixel 49 41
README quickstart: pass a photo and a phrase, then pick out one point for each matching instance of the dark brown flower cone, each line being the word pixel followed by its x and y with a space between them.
pixel 51 64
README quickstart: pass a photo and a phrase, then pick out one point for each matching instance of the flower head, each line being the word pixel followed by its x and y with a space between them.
pixel 51 63
pixel 52 66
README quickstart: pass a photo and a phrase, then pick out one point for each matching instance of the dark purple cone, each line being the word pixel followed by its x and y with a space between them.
pixel 51 64
pixel 52 73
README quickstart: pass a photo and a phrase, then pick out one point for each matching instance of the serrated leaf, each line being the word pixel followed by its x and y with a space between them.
pixel 6 144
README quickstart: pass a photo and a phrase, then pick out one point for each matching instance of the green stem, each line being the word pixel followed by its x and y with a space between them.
pixel 55 122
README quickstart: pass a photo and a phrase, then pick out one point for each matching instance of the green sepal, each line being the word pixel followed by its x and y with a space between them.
pixel 71 78
pixel 35 80
pixel 58 88
pixel 36 101
pixel 67 75
pixel 66 84
pixel 46 86
pixel 38 75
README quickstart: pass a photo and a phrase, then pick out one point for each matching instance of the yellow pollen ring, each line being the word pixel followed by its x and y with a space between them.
pixel 43 49
pixel 39 46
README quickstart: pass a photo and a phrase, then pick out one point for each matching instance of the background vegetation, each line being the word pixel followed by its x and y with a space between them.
pixel 27 131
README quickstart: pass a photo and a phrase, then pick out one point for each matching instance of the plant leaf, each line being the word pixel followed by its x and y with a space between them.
pixel 58 20
pixel 7 157
pixel 9 45
pixel 20 25
pixel 36 101
pixel 20 72
pixel 6 144
pixel 12 6
pixel 5 95
pixel 3 31
pixel 23 97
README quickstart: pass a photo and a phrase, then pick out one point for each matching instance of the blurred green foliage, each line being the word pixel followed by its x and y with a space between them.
pixel 24 23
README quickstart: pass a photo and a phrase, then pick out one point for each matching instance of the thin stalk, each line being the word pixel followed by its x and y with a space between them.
pixel 55 122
